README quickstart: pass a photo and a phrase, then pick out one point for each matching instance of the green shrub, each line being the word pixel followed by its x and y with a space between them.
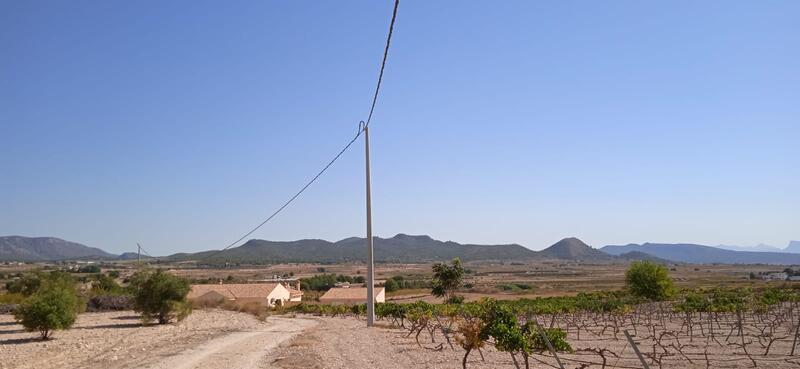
pixel 105 285
pixel 89 269
pixel 51 308
pixel 391 285
pixel 12 298
pixel 161 296
pixel 29 283
pixel 649 280
pixel 447 278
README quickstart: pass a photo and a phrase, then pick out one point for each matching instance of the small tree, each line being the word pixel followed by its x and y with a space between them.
pixel 447 278
pixel 649 280
pixel 161 296
pixel 391 285
pixel 51 308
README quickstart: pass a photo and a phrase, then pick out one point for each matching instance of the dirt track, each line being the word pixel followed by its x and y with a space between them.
pixel 240 350
pixel 207 339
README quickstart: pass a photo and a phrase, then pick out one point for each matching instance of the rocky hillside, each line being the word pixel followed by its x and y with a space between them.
pixel 574 249
pixel 400 248
pixel 701 254
pixel 19 248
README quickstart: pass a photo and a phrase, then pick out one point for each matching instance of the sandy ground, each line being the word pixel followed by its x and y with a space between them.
pixel 207 339
pixel 222 339
pixel 339 343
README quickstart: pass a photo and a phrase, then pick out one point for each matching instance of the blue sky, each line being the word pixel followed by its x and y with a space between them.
pixel 181 125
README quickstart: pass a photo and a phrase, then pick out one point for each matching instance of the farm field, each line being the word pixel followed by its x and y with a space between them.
pixel 223 339
pixel 323 346
pixel 762 335
pixel 546 278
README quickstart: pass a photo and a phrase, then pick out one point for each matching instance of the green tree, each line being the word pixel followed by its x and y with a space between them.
pixel 391 285
pixel 649 280
pixel 53 307
pixel 447 278
pixel 29 283
pixel 161 296
pixel 105 285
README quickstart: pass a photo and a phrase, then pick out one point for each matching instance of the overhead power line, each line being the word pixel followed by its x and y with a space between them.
pixel 383 63
pixel 362 125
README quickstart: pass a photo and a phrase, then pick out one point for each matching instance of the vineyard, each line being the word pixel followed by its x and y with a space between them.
pixel 715 328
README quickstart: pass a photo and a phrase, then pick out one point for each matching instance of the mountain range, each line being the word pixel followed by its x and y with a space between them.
pixel 400 248
pixel 18 248
pixel 404 248
pixel 700 254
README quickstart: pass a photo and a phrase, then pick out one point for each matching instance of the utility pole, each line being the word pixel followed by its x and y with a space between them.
pixel 370 258
pixel 138 254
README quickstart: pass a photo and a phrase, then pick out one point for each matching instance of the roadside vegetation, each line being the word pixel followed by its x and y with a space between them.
pixel 53 305
pixel 48 301
pixel 160 296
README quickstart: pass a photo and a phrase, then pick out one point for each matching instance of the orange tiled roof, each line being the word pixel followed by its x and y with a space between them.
pixel 234 291
pixel 349 293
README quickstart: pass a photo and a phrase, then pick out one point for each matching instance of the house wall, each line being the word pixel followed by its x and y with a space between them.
pixel 280 293
pixel 381 297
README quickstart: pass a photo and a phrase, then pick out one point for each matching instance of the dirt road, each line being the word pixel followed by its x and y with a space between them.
pixel 206 339
pixel 239 350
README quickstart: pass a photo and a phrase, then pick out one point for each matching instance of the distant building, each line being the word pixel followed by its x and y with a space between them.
pixel 794 278
pixel 269 294
pixel 351 295
pixel 775 276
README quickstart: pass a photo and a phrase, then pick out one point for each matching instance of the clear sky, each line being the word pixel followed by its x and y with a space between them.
pixel 183 124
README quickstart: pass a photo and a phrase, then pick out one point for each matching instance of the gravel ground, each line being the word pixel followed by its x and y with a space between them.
pixel 346 343
pixel 223 339
pixel 117 340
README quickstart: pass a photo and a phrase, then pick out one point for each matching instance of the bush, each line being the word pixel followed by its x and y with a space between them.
pixel 89 269
pixel 105 285
pixel 51 308
pixel 11 298
pixel 161 296
pixel 455 300
pixel 110 303
pixel 391 285
pixel 29 283
pixel 649 280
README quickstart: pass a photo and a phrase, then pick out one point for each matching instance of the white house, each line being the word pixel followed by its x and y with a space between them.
pixel 774 276
pixel 268 294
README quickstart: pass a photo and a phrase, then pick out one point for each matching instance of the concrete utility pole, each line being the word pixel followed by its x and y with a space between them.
pixel 138 254
pixel 370 259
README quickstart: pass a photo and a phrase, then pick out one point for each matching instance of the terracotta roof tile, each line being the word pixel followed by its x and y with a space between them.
pixel 349 293
pixel 234 291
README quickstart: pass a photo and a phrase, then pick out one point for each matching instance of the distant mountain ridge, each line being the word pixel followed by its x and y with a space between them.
pixel 405 248
pixel 19 248
pixel 794 246
pixel 572 248
pixel 700 254
pixel 757 248
pixel 400 248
